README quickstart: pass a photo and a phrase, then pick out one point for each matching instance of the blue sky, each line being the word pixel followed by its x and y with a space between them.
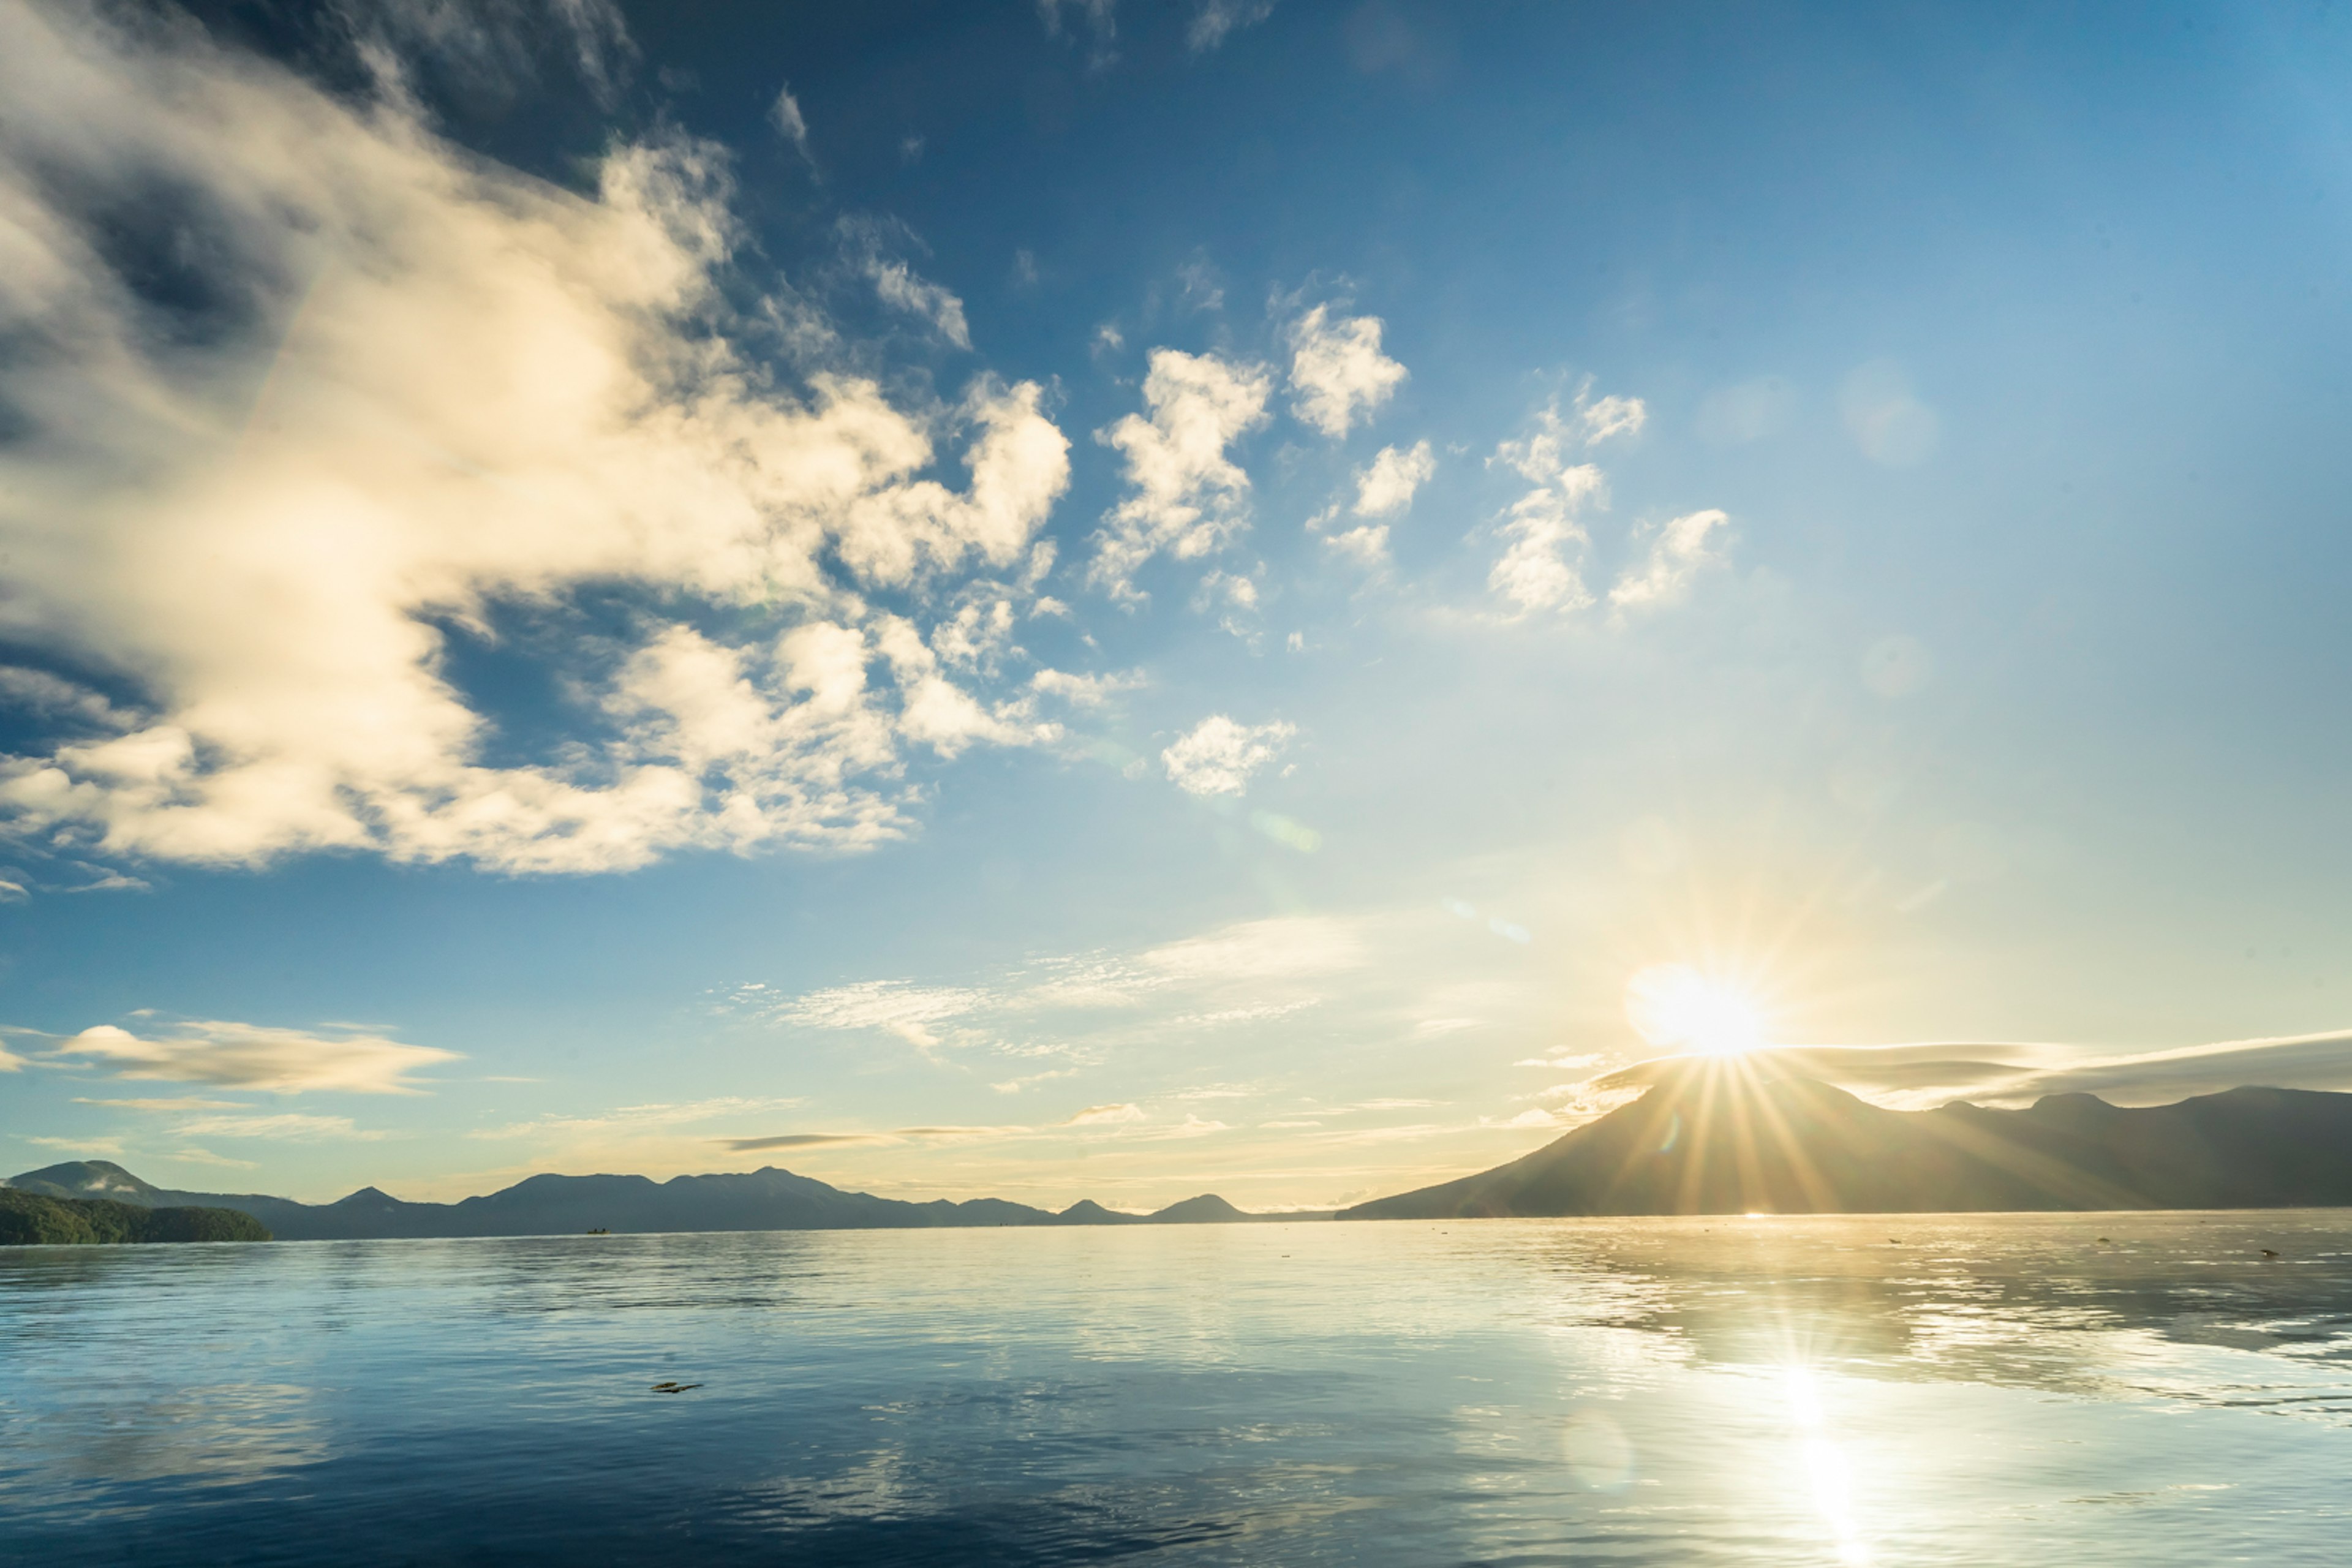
pixel 1117 601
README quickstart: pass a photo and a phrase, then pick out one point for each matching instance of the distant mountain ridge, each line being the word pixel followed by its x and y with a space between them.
pixel 1719 1138
pixel 765 1199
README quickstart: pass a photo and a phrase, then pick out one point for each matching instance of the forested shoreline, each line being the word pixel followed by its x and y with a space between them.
pixel 29 1219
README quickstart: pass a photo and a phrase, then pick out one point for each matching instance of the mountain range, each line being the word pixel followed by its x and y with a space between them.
pixel 1709 1137
pixel 766 1199
pixel 1722 1137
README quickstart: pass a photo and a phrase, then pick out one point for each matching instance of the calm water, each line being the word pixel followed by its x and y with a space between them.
pixel 1991 1391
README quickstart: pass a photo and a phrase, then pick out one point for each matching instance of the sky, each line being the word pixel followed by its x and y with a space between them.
pixel 1104 600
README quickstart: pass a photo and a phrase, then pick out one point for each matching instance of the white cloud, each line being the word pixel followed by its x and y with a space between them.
pixel 1217 755
pixel 939 713
pixel 1337 371
pixel 252 1056
pixel 495 43
pixel 1368 546
pixel 291 1126
pixel 1192 1126
pixel 1290 947
pixel 1386 486
pixel 1606 417
pixel 632 1119
pixel 1540 569
pixel 895 1007
pixel 1544 451
pixel 103 1148
pixel 1188 495
pixel 1214 20
pixel 1677 553
pixel 898 286
pixel 785 115
pixel 1106 1116
pixel 206 1157
pixel 1086 690
pixel 1235 974
pixel 1238 594
pixel 429 392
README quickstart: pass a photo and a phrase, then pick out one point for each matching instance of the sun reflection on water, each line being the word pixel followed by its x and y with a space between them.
pixel 1824 1464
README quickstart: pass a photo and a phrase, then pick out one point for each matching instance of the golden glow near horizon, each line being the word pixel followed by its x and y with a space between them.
pixel 1675 1004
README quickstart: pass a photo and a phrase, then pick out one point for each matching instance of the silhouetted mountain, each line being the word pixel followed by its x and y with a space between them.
pixel 1209 1209
pixel 767 1199
pixel 1713 1138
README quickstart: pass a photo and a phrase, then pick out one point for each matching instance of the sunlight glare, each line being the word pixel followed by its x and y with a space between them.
pixel 1825 1467
pixel 1674 1004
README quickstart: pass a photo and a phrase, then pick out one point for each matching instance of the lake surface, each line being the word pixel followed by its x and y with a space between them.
pixel 1991 1390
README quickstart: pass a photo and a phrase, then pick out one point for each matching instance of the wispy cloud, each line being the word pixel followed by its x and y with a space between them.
pixel 1678 551
pixel 900 287
pixel 637 1118
pixel 292 1127
pixel 103 1148
pixel 1105 1115
pixel 1072 1006
pixel 910 1012
pixel 1213 21
pixel 1086 690
pixel 194 1156
pixel 785 115
pixel 803 1141
pixel 896 1135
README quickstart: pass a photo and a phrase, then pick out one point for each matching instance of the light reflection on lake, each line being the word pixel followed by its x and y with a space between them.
pixel 2065 1388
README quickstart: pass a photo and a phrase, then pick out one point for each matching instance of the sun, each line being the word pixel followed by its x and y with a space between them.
pixel 1674 1004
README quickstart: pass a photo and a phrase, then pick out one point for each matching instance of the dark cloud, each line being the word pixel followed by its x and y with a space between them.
pixel 801 1141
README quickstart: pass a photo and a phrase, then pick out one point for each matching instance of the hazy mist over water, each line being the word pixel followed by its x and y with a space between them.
pixel 2076 1388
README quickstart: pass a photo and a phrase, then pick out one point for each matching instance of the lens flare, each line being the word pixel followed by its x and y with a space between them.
pixel 1674 1004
